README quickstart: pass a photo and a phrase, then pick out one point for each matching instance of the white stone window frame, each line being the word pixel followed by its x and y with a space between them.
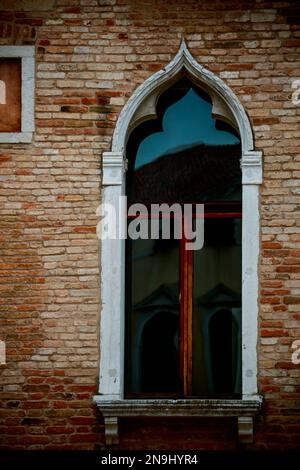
pixel 27 56
pixel 110 398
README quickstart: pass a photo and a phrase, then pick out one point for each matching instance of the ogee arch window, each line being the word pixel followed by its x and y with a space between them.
pixel 183 307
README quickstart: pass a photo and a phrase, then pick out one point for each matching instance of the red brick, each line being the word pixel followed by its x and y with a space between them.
pixel 274 332
pixel 291 300
pixel 51 187
pixel 78 420
pixel 59 430
pixel 84 437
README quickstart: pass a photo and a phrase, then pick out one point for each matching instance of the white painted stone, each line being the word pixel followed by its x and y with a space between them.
pixel 250 253
pixel 113 168
pixel 161 79
pixel 112 251
pixel 112 312
pixel 28 86
pixel 243 410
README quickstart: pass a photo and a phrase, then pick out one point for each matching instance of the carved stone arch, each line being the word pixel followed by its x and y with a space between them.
pixel 141 106
pixel 226 106
pixel 225 103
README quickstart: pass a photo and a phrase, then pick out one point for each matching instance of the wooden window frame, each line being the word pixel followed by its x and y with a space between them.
pixel 186 286
pixel 186 298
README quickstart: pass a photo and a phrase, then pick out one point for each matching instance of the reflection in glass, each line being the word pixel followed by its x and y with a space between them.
pixel 196 157
pixel 217 309
pixel 185 156
pixel 223 331
pixel 152 316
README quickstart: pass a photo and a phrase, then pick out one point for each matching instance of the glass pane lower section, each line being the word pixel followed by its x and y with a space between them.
pixel 152 317
pixel 217 309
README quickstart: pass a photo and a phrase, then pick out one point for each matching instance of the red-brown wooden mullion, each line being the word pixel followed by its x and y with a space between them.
pixel 181 315
pixel 186 317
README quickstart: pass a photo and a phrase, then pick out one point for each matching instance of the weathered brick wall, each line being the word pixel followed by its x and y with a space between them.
pixel 91 55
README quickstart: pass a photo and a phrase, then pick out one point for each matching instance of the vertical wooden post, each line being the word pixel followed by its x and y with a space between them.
pixel 186 318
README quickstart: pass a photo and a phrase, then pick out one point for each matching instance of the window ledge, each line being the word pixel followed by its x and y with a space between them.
pixel 15 137
pixel 244 409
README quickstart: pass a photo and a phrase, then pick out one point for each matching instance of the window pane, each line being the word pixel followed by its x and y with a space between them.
pixel 217 309
pixel 152 316
pixel 203 153
pixel 10 95
pixel 185 156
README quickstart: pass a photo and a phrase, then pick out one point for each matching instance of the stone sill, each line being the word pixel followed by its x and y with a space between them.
pixel 243 409
pixel 15 137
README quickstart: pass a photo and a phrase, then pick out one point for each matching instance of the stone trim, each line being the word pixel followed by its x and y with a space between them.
pixel 27 55
pixel 113 165
pixel 111 374
pixel 219 91
pixel 251 165
pixel 244 410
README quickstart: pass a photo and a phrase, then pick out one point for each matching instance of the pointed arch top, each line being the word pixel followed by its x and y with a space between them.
pixel 222 97
pixel 142 105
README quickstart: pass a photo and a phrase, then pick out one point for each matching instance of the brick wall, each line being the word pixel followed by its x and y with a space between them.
pixel 91 55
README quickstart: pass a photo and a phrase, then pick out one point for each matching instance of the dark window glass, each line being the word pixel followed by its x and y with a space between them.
pixel 183 309
pixel 223 337
pixel 217 309
pixel 152 321
pixel 196 157
pixel 159 353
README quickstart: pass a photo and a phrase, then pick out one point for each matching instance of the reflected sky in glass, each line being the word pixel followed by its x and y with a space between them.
pixel 186 123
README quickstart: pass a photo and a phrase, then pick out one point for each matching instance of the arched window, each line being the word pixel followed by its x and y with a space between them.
pixel 183 156
pixel 183 136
